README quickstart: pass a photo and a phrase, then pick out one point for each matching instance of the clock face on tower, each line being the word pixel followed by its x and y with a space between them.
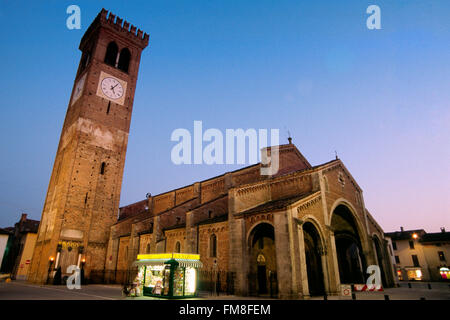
pixel 111 88
pixel 78 89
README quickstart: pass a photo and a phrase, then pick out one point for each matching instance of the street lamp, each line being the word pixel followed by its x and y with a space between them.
pixel 50 264
pixel 415 236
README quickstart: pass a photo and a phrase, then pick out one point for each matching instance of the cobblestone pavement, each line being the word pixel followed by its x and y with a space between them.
pixel 20 290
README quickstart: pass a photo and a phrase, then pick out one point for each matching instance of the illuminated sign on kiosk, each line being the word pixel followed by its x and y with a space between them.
pixel 168 275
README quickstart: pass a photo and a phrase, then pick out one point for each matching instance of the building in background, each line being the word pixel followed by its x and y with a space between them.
pixel 23 240
pixel 420 255
pixel 5 236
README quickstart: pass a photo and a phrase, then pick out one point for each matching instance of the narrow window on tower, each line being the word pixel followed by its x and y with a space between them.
pixel 109 107
pixel 85 198
pixel 102 168
pixel 111 54
pixel 124 60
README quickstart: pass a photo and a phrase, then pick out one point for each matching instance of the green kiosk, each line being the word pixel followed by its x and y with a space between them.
pixel 168 275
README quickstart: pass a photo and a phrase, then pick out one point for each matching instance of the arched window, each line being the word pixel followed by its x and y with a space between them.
pixel 213 246
pixel 102 168
pixel 124 59
pixel 178 247
pixel 84 60
pixel 111 54
pixel 148 248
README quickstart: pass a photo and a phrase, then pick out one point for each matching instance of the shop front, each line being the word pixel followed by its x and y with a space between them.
pixel 168 275
pixel 414 273
pixel 445 273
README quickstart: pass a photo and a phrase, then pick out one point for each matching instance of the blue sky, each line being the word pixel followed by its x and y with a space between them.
pixel 378 97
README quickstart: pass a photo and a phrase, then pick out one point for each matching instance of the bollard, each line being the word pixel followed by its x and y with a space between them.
pixel 386 297
pixel 409 285
pixel 429 286
pixel 353 296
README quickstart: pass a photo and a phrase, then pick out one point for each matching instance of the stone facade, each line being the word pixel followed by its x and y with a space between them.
pixel 264 225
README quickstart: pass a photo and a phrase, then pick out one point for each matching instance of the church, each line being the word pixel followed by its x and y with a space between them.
pixel 302 232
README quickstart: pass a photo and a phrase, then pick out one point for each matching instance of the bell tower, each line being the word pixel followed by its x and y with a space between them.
pixel 83 195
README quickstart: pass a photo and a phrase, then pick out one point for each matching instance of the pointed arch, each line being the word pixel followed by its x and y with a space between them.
pixel 124 59
pixel 111 54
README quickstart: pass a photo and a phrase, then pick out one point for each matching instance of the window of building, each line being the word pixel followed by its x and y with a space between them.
pixel 111 54
pixel 394 245
pixel 415 260
pixel 178 247
pixel 102 168
pixel 411 244
pixel 148 248
pixel 213 246
pixel 124 59
pixel 397 260
pixel 441 255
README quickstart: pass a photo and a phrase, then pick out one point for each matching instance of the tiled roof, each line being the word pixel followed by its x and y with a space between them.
pixel 404 235
pixel 5 231
pixel 435 237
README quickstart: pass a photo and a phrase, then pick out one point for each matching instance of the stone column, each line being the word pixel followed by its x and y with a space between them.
pixel 302 260
pixel 238 255
pixel 333 264
pixel 283 254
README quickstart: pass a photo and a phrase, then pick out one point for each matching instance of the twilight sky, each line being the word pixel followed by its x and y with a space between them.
pixel 381 98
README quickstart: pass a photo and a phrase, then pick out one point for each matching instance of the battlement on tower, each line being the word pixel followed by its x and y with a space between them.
pixel 111 21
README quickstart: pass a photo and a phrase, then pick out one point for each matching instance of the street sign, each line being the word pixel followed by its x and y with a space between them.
pixel 346 290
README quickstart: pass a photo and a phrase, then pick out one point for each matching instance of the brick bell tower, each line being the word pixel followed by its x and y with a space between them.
pixel 84 191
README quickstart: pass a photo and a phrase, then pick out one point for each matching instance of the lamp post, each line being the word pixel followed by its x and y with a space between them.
pixel 50 264
pixel 83 262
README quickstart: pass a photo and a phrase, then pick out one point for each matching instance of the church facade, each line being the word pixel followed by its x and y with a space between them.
pixel 304 230
pixel 306 224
